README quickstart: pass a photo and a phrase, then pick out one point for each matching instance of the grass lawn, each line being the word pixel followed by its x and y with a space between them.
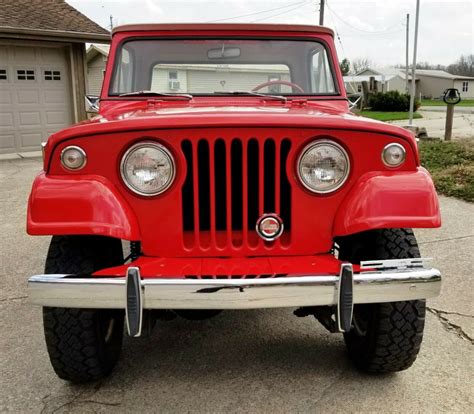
pixel 388 116
pixel 433 102
pixel 451 165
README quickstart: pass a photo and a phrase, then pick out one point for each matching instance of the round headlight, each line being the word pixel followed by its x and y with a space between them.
pixel 148 168
pixel 323 166
pixel 73 158
pixel 393 155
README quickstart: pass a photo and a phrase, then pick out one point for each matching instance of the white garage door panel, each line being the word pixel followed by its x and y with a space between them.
pixel 28 96
pixel 6 95
pixel 55 117
pixel 6 120
pixel 54 97
pixel 30 119
pixel 7 142
pixel 35 99
pixel 30 140
pixel 24 54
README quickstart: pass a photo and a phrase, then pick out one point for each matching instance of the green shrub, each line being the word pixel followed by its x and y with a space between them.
pixel 391 101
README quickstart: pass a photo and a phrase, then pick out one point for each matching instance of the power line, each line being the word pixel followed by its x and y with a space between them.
pixel 362 30
pixel 259 12
pixel 370 34
pixel 279 14
pixel 337 32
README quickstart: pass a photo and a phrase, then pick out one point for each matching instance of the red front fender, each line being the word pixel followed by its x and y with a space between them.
pixel 389 200
pixel 87 204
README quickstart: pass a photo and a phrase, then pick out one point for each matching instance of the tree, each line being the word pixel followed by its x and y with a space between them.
pixel 464 66
pixel 360 64
pixel 345 66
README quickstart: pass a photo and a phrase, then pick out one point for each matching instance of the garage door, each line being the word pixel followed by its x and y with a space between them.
pixel 35 96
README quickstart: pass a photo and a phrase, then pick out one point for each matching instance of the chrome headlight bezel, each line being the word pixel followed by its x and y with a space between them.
pixel 147 144
pixel 311 146
pixel 402 159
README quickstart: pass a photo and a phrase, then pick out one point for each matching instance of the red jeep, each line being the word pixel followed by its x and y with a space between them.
pixel 227 158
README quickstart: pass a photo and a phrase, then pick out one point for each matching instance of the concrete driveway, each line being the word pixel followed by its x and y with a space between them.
pixel 241 361
pixel 434 120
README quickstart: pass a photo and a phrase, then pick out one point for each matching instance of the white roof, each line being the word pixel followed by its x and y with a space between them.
pixel 366 78
pixel 440 74
pixel 387 71
pixel 95 48
pixel 419 72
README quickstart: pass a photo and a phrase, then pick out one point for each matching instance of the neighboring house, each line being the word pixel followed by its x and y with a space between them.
pixel 389 79
pixel 202 78
pixel 193 78
pixel 434 82
pixel 42 76
pixel 429 83
pixel 96 60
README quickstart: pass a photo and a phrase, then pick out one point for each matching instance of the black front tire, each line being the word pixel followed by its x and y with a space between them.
pixel 83 344
pixel 386 337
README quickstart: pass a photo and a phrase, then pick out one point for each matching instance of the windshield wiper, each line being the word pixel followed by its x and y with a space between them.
pixel 185 96
pixel 251 93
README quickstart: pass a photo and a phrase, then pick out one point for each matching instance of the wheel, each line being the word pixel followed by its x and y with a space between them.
pixel 385 337
pixel 83 344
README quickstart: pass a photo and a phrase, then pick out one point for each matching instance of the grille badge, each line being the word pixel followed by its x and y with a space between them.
pixel 269 227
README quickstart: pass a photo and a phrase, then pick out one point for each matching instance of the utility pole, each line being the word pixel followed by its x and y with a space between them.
pixel 321 12
pixel 413 70
pixel 111 22
pixel 407 90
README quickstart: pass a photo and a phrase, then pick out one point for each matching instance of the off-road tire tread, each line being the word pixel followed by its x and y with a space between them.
pixel 397 327
pixel 73 344
pixel 72 337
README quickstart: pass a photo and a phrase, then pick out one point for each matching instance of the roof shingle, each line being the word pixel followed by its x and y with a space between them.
pixel 48 15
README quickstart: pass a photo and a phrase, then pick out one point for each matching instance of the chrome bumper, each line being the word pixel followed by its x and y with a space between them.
pixel 378 281
pixel 384 284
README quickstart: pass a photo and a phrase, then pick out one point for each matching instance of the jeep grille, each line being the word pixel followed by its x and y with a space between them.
pixel 229 185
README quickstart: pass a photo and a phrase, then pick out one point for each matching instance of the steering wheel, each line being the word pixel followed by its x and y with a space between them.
pixel 278 82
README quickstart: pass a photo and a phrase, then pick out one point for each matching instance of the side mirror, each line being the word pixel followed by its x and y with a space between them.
pixel 92 104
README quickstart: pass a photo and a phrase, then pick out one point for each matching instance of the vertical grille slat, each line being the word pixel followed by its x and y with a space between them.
pixel 285 188
pixel 253 165
pixel 197 207
pixel 204 180
pixel 236 178
pixel 276 178
pixel 269 176
pixel 228 199
pixel 212 193
pixel 187 192
pixel 220 184
pixel 245 192
pixel 229 184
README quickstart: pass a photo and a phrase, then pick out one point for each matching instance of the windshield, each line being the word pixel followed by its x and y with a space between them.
pixel 206 67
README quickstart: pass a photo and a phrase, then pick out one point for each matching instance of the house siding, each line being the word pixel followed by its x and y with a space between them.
pixel 396 84
pixel 433 87
pixel 95 74
pixel 470 88
pixel 208 81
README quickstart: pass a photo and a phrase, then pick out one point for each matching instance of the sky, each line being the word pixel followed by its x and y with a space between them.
pixel 375 30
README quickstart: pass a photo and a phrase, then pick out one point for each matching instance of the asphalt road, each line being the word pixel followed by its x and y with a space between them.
pixel 241 361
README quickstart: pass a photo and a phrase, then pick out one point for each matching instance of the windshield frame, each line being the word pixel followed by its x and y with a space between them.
pixel 330 59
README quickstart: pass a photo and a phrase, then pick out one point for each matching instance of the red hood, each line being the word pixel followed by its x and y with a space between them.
pixel 155 114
